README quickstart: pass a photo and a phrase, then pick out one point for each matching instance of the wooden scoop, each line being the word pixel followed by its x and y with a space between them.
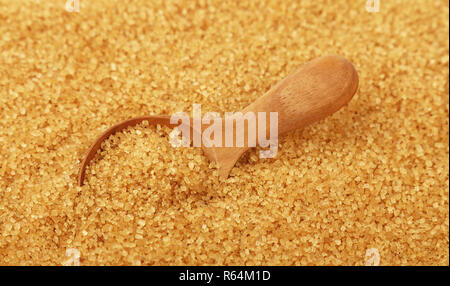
pixel 315 90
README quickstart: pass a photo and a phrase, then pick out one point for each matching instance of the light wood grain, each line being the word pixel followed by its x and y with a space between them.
pixel 315 90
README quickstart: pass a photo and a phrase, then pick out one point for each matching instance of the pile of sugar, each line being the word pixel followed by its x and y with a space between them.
pixel 373 175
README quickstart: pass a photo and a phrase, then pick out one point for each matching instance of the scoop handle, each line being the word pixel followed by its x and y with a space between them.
pixel 317 89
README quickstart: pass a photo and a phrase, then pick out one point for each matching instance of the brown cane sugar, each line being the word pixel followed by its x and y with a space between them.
pixel 375 175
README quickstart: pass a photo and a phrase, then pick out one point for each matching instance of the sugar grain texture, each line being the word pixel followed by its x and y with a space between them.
pixel 373 175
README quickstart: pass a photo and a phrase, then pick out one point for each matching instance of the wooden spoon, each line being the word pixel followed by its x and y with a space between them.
pixel 315 90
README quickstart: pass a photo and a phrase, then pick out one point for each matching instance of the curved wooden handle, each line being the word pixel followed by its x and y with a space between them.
pixel 314 91
pixel 317 89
